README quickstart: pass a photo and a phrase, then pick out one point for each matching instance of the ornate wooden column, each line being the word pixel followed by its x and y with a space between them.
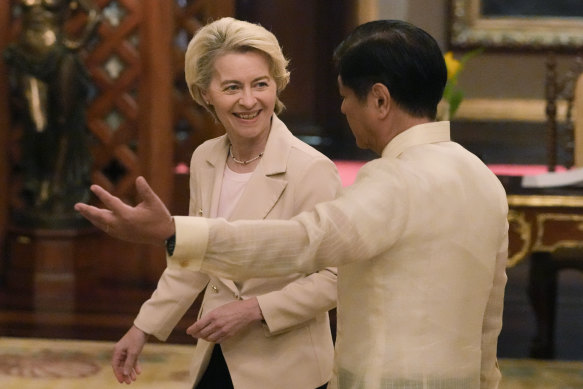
pixel 155 97
pixel 155 135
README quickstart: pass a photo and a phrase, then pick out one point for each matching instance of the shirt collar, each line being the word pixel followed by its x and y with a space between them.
pixel 417 135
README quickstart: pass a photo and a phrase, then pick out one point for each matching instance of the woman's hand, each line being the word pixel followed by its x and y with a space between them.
pixel 226 321
pixel 125 355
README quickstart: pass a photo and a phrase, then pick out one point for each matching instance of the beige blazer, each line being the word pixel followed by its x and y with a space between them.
pixel 293 348
pixel 420 240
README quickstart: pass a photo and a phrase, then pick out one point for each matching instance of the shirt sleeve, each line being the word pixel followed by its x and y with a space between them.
pixel 346 230
pixel 191 242
pixel 299 301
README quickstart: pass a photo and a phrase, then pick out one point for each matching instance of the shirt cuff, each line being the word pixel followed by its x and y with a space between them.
pixel 191 242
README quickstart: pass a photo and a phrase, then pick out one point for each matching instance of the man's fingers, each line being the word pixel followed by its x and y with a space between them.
pixel 144 190
pixel 111 202
pixel 102 218
pixel 98 217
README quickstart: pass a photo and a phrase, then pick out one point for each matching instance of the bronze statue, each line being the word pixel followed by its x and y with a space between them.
pixel 53 86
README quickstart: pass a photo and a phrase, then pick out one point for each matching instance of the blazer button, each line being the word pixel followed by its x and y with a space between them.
pixel 214 288
pixel 183 263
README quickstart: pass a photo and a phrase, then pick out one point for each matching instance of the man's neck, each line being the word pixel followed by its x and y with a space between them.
pixel 396 124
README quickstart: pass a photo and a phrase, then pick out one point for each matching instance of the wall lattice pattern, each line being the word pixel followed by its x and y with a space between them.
pixel 113 59
pixel 192 124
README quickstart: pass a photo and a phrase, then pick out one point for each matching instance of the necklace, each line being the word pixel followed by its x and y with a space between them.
pixel 243 162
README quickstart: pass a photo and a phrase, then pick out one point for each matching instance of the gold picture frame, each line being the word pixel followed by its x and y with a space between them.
pixel 470 28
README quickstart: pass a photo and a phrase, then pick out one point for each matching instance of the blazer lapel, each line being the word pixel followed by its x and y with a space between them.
pixel 212 178
pixel 266 184
pixel 260 196
pixel 210 181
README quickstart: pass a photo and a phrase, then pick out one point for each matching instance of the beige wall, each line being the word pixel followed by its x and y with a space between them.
pixel 498 85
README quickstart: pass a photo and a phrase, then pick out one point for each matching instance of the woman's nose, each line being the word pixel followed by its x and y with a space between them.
pixel 247 99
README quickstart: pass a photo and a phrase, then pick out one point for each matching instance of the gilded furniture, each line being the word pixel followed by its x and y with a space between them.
pixel 548 223
pixel 547 226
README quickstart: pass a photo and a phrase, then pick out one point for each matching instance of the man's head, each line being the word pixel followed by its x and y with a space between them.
pixel 404 58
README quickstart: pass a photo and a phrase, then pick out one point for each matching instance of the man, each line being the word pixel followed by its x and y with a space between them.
pixel 420 239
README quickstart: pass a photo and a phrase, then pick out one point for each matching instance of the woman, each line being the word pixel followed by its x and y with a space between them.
pixel 267 333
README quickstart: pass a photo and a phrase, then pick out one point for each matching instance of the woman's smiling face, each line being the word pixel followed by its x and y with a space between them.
pixel 243 94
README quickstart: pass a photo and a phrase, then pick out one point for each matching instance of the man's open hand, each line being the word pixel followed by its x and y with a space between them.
pixel 148 222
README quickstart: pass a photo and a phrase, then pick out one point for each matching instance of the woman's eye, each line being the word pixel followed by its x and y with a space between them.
pixel 262 84
pixel 230 88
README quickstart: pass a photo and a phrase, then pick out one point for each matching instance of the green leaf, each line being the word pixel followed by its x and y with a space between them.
pixel 455 101
pixel 471 54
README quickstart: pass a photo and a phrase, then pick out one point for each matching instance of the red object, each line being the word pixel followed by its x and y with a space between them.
pixel 349 169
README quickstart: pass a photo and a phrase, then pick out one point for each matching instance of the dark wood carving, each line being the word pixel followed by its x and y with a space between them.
pixel 560 129
pixel 140 117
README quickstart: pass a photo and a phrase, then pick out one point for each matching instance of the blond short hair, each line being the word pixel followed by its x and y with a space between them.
pixel 231 35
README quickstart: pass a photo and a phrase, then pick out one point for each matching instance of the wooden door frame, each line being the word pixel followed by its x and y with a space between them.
pixel 5 7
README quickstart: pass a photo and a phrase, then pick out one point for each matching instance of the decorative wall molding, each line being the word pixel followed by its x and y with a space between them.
pixel 526 110
pixel 516 32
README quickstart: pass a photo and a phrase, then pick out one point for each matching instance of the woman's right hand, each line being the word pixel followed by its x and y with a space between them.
pixel 124 361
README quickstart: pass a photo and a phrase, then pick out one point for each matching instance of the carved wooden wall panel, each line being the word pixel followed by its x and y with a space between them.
pixel 192 124
pixel 114 64
pixel 141 118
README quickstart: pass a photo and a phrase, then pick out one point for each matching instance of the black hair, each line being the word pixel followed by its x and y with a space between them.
pixel 403 57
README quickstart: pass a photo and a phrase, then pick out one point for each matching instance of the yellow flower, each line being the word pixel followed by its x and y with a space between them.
pixel 452 64
pixel 452 95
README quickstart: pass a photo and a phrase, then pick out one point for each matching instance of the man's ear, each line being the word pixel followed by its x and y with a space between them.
pixel 381 98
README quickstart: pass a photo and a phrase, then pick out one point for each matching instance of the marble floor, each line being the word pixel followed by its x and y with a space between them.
pixel 27 363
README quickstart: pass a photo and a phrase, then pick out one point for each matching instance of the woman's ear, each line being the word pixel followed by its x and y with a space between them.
pixel 205 97
pixel 382 98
